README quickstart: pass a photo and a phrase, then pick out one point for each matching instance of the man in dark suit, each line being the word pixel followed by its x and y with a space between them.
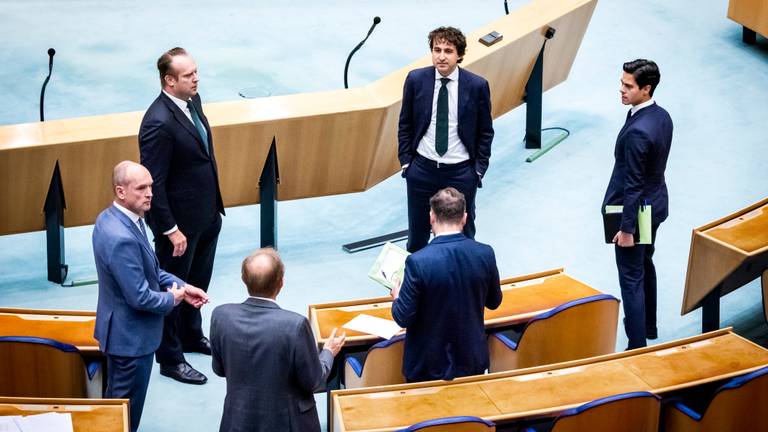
pixel 641 153
pixel 134 293
pixel 176 146
pixel 445 132
pixel 268 356
pixel 446 288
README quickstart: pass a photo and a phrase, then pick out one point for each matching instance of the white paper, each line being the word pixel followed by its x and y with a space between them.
pixel 47 422
pixel 7 424
pixel 372 325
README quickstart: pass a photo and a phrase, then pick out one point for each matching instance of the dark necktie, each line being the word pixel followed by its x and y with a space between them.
pixel 441 123
pixel 143 230
pixel 198 125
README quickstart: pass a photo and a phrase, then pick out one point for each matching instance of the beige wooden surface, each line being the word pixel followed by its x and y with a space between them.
pixel 638 414
pixel 750 13
pixel 70 327
pixel 88 415
pixel 328 143
pixel 549 389
pixel 522 299
pixel 734 247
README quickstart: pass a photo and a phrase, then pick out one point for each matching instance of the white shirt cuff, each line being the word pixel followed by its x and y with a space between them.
pixel 172 230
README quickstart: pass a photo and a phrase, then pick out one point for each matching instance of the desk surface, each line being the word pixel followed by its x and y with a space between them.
pixel 661 368
pixel 88 415
pixel 71 327
pixel 524 297
pixel 748 232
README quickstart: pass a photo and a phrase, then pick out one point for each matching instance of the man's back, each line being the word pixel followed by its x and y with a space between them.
pixel 447 286
pixel 270 360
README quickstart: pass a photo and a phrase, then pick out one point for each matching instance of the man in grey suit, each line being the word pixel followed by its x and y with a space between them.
pixel 268 356
pixel 134 293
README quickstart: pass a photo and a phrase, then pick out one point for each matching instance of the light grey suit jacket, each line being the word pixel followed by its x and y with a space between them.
pixel 270 359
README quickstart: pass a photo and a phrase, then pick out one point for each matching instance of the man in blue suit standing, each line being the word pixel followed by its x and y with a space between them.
pixel 446 288
pixel 134 293
pixel 445 132
pixel 641 153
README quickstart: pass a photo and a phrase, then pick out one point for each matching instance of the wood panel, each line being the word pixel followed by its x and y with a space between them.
pixel 328 143
pixel 70 327
pixel 88 415
pixel 752 14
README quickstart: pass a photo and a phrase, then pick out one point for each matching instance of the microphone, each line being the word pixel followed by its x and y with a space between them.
pixel 506 7
pixel 51 53
pixel 376 21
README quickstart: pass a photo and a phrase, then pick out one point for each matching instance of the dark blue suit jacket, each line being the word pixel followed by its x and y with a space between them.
pixel 641 153
pixel 475 127
pixel 186 182
pixel 132 297
pixel 447 285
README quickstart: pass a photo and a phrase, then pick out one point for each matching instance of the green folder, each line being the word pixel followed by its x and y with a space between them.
pixel 643 221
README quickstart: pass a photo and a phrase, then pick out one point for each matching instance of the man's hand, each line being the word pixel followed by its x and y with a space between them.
pixel 179 242
pixel 334 343
pixel 178 293
pixel 623 239
pixel 195 296
pixel 395 291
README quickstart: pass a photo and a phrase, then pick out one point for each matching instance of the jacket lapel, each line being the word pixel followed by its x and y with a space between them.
pixel 463 94
pixel 186 123
pixel 130 226
pixel 634 118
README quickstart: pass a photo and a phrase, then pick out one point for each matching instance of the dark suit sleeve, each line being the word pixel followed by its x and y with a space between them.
pixel 493 298
pixel 637 145
pixel 128 271
pixel 404 308
pixel 406 126
pixel 156 151
pixel 307 363
pixel 484 129
pixel 216 363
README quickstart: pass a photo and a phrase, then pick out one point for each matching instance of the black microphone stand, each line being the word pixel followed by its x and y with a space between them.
pixel 376 21
pixel 51 53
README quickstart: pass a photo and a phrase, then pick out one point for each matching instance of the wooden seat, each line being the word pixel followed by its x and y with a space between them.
pixel 738 405
pixel 636 412
pixel 88 415
pixel 40 367
pixel 577 329
pixel 453 424
pixel 381 365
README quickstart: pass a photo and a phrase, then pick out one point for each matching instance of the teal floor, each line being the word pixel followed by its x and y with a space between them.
pixel 537 216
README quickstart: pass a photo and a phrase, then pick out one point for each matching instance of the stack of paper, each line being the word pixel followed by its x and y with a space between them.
pixel 46 422
pixel 372 325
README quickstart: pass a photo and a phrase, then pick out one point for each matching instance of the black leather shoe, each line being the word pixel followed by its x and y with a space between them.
pixel 183 372
pixel 652 334
pixel 203 346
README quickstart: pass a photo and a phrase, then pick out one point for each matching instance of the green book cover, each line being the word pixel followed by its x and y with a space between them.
pixel 389 267
pixel 643 221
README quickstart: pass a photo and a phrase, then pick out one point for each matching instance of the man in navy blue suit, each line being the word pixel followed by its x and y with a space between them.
pixel 446 288
pixel 641 153
pixel 445 132
pixel 134 293
pixel 176 146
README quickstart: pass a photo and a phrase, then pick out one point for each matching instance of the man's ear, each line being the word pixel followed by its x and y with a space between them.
pixel 432 217
pixel 464 219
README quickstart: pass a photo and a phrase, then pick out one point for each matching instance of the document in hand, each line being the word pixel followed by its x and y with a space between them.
pixel 46 422
pixel 373 325
pixel 612 223
pixel 389 267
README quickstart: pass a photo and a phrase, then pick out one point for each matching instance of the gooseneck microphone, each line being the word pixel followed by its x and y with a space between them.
pixel 51 53
pixel 376 21
pixel 506 7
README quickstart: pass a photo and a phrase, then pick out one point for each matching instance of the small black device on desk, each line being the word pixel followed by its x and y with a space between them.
pixel 491 38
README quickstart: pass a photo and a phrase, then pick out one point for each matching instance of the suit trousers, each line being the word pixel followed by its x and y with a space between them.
pixel 637 278
pixel 183 326
pixel 128 378
pixel 423 179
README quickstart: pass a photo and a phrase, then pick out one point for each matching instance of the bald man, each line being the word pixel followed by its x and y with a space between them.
pixel 134 293
pixel 268 355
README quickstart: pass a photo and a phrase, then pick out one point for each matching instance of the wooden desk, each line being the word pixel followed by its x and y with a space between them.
pixel 70 327
pixel 725 255
pixel 524 297
pixel 752 14
pixel 547 390
pixel 88 415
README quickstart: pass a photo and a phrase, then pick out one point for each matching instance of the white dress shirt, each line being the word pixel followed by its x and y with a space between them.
pixel 456 151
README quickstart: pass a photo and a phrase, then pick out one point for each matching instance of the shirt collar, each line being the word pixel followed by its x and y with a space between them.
pixel 131 215
pixel 638 107
pixel 182 104
pixel 263 298
pixel 454 76
pixel 445 233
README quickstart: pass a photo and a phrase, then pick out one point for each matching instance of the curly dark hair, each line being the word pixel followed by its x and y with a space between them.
pixel 451 35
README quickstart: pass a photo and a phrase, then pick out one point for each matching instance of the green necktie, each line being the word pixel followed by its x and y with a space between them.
pixel 198 125
pixel 441 124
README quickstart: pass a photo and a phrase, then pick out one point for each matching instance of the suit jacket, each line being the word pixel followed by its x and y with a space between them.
pixel 475 126
pixel 186 182
pixel 446 287
pixel 132 300
pixel 270 359
pixel 641 153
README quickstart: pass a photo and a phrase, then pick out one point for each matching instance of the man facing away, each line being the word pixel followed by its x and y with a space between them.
pixel 176 146
pixel 134 292
pixel 446 288
pixel 268 356
pixel 445 132
pixel 641 153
